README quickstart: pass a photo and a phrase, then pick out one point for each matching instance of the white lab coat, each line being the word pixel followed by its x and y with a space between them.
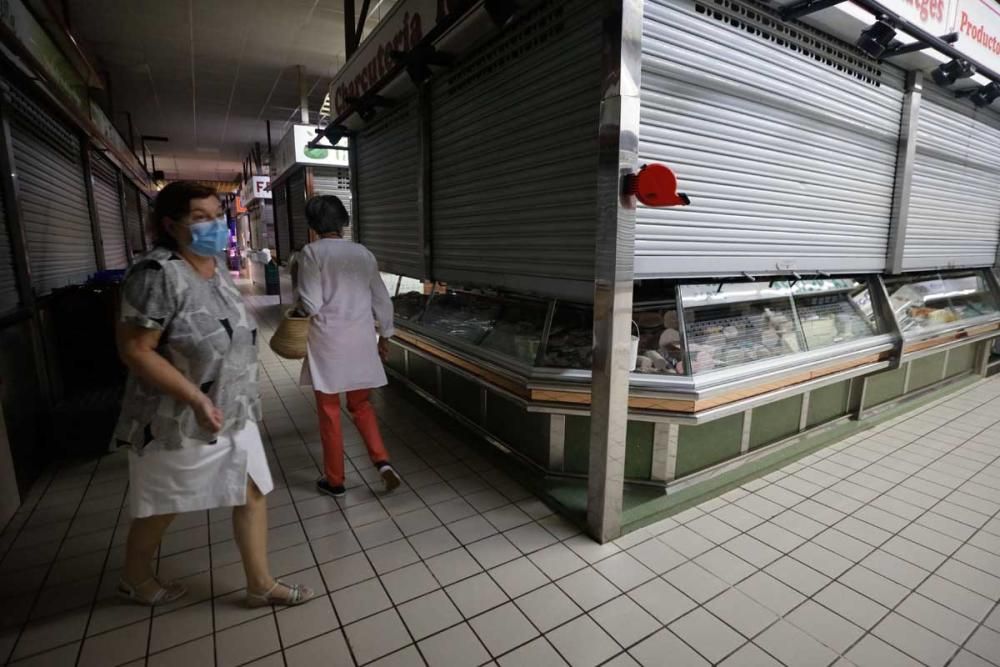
pixel 340 286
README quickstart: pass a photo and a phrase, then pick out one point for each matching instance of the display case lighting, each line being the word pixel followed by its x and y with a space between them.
pixel 985 95
pixel 950 72
pixel 876 38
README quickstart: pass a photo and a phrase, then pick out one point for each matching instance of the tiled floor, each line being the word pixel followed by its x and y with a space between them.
pixel 882 550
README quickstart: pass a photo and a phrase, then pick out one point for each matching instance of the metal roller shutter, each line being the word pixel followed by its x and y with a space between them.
pixel 297 209
pixel 334 181
pixel 283 238
pixel 388 167
pixel 954 218
pixel 784 138
pixel 109 211
pixel 9 297
pixel 133 223
pixel 52 196
pixel 520 213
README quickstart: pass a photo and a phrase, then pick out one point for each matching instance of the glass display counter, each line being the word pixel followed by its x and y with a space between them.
pixel 716 326
pixel 930 303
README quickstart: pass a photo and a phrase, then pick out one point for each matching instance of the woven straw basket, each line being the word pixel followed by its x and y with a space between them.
pixel 289 341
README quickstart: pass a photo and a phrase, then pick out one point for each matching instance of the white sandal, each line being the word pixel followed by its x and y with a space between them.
pixel 296 595
pixel 168 592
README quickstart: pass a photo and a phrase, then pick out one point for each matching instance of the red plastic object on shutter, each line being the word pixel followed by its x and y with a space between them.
pixel 656 185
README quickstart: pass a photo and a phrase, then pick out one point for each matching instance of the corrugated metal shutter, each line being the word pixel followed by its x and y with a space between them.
pixel 279 195
pixel 954 216
pixel 388 167
pixel 784 138
pixel 297 209
pixel 133 223
pixel 109 211
pixel 334 181
pixel 9 297
pixel 514 146
pixel 52 196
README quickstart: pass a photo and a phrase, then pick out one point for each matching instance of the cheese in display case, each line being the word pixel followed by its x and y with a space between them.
pixel 928 301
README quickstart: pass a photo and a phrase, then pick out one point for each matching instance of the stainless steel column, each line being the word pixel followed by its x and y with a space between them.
pixel 906 156
pixel 614 271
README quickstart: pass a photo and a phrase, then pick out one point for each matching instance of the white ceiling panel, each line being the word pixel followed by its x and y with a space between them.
pixel 208 74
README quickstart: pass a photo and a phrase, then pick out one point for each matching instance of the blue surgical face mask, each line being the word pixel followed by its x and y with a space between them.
pixel 209 238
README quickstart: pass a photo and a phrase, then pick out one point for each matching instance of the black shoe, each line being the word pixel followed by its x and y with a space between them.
pixel 324 486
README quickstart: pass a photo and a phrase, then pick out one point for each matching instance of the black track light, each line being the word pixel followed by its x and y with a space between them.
pixel 986 95
pixel 875 39
pixel 949 73
pixel 501 11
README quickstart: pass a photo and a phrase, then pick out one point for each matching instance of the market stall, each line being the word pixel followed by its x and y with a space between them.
pixel 835 259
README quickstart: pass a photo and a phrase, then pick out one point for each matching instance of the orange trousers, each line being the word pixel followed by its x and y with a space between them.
pixel 332 436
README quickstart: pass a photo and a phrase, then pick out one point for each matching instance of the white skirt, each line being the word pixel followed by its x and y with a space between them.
pixel 197 477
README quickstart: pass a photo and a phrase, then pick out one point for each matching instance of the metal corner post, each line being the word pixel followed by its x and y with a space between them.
pixel 352 168
pixel 424 181
pixel 905 160
pixel 95 222
pixel 614 266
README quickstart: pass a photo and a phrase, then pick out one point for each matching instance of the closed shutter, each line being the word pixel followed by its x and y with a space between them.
pixel 388 169
pixel 785 140
pixel 9 297
pixel 297 209
pixel 109 211
pixel 53 198
pixel 954 218
pixel 334 181
pixel 266 225
pixel 514 150
pixel 133 223
pixel 279 196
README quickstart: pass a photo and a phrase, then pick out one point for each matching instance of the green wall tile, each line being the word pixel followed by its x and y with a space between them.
pixel 423 374
pixel 462 394
pixel 961 359
pixel 828 403
pixel 396 360
pixel 527 432
pixel 775 421
pixel 638 452
pixel 576 453
pixel 705 445
pixel 883 387
pixel 926 371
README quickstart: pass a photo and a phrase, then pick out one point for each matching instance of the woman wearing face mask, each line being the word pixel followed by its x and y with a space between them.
pixel 189 417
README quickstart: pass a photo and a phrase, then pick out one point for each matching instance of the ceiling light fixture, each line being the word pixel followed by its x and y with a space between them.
pixel 950 72
pixel 875 39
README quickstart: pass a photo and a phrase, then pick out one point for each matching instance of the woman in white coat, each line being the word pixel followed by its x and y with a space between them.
pixel 340 287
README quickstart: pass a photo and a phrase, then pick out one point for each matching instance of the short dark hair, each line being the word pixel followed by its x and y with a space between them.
pixel 174 202
pixel 326 215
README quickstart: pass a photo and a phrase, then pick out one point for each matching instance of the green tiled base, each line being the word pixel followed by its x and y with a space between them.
pixel 775 421
pixel 926 371
pixel 961 360
pixel 828 403
pixel 638 452
pixel 704 445
pixel 886 386
pixel 526 432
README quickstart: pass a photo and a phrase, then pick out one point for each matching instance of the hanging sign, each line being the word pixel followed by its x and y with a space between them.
pixel 977 23
pixel 258 187
pixel 294 149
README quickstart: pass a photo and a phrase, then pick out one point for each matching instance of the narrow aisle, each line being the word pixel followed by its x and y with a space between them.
pixel 882 549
